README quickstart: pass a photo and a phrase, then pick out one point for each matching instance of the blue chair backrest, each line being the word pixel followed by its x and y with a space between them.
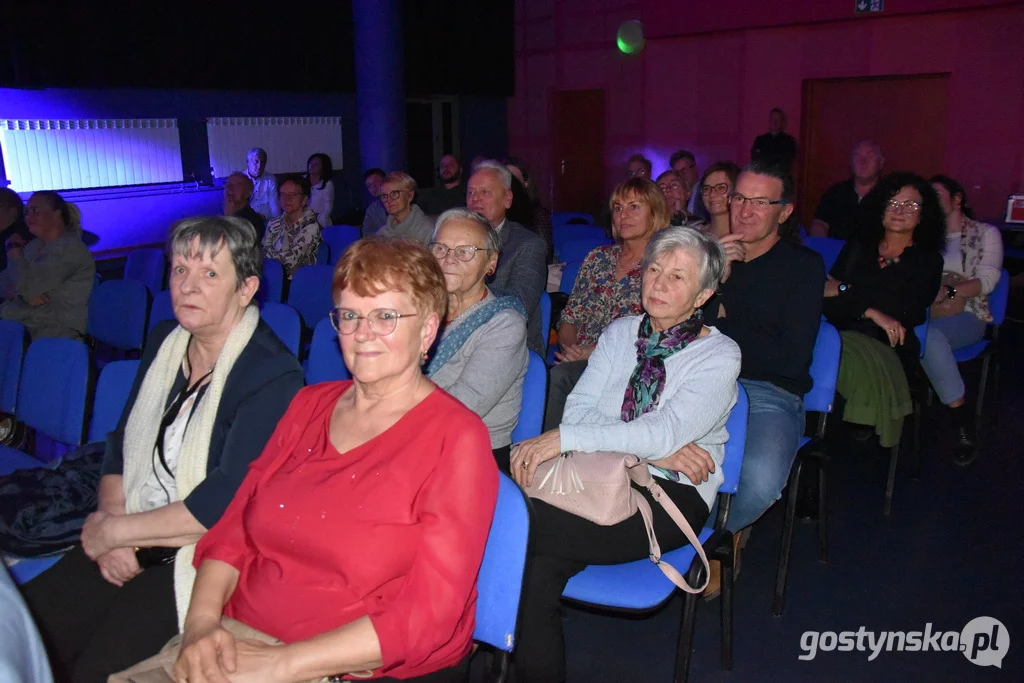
pixel 545 318
pixel 117 313
pixel 569 273
pixel 499 584
pixel 339 237
pixel 325 362
pixel 577 249
pixel 161 308
pixel 824 369
pixel 998 299
pixel 535 391
pixel 323 254
pixel 284 321
pixel 12 353
pixel 272 282
pixel 310 293
pixel 563 234
pixel 146 266
pixel 565 217
pixel 55 381
pixel 736 445
pixel 112 389
pixel 828 247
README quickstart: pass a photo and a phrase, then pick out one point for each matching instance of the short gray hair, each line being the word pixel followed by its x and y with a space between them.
pixel 492 242
pixel 259 152
pixel 215 232
pixel 500 168
pixel 705 246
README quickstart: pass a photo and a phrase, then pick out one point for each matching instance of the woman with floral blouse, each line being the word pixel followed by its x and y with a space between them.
pixel 607 286
pixel 293 237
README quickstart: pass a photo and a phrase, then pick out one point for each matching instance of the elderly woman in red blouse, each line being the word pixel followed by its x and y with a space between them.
pixel 607 286
pixel 357 535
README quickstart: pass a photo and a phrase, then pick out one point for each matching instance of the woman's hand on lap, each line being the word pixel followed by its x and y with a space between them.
pixel 208 654
pixel 119 566
pixel 574 352
pixel 892 327
pixel 528 455
pixel 691 460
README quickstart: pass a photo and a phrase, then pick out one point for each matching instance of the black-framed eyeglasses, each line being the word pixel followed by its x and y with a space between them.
pixel 381 321
pixel 463 252
pixel 393 195
pixel 717 188
pixel 636 172
pixel 756 203
pixel 674 185
pixel 906 206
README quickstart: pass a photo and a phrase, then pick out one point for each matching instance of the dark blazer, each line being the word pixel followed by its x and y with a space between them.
pixel 257 392
pixel 523 271
pixel 258 221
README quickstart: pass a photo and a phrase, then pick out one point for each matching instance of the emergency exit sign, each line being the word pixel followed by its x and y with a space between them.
pixel 868 6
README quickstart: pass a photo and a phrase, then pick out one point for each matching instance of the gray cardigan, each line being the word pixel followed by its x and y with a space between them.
pixel 416 226
pixel 64 271
pixel 487 373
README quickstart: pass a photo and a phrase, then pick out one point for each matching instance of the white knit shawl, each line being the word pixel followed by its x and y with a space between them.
pixel 144 423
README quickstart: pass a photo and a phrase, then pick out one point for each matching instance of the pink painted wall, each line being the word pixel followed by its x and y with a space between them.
pixel 711 92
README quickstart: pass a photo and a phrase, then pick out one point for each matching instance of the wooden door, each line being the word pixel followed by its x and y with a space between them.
pixel 578 170
pixel 905 115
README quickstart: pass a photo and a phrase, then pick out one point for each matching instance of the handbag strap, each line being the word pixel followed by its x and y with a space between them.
pixel 639 473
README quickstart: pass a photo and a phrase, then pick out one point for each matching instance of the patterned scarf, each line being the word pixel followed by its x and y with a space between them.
pixel 652 348
pixel 455 335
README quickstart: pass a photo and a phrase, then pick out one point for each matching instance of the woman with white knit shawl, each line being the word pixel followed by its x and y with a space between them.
pixel 207 397
pixel 481 356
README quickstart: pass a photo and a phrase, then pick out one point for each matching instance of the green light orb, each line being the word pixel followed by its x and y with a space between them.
pixel 630 37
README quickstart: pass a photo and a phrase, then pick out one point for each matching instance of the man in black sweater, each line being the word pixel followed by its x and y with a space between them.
pixel 769 303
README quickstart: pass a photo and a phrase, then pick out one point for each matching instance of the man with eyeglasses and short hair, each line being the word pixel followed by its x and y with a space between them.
pixel 769 302
pixel 684 163
pixel 839 209
pixel 522 267
pixel 638 166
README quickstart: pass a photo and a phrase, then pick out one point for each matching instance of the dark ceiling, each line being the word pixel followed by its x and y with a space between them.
pixel 451 47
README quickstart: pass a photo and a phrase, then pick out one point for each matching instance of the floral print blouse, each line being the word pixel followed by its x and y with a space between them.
pixel 293 245
pixel 597 298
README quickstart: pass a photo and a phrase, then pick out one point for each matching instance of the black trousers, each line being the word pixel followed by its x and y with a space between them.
pixel 562 380
pixel 563 545
pixel 92 628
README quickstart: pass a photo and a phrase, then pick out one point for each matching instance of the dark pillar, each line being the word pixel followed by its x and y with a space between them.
pixel 380 84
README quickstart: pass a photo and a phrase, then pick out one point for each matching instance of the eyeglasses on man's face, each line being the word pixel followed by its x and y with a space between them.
pixel 756 203
pixel 463 252
pixel 636 172
pixel 717 188
pixel 393 195
pixel 381 321
pixel 906 206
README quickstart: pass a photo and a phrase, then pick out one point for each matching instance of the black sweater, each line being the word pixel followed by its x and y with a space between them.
pixel 773 311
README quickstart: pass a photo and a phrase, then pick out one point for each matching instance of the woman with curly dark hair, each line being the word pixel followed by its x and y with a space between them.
pixel 879 289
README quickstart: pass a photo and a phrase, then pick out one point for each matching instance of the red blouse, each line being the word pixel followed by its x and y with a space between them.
pixel 394 529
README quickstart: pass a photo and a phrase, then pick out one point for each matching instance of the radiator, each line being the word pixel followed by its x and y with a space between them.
pixel 85 153
pixel 288 141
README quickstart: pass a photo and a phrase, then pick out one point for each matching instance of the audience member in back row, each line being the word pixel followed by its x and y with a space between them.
pixel 715 187
pixel 205 400
pixel 655 382
pixel 452 192
pixel 293 237
pixel 264 193
pixel 376 216
pixel 237 192
pixel 357 536
pixel 321 198
pixel 776 147
pixel 769 302
pixel 540 215
pixel 12 220
pixel 685 164
pixel 522 267
pixel 47 282
pixel 481 357
pixel 607 287
pixel 961 310
pixel 405 219
pixel 676 196
pixel 838 211
pixel 878 290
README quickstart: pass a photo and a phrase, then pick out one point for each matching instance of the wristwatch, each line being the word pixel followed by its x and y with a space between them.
pixel 950 292
pixel 843 288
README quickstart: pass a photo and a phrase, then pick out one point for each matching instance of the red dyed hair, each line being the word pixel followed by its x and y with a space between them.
pixel 375 265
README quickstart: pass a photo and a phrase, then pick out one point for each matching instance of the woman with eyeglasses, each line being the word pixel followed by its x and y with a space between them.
pixel 353 545
pixel 210 387
pixel 879 289
pixel 481 356
pixel 405 219
pixel 293 238
pixel 715 187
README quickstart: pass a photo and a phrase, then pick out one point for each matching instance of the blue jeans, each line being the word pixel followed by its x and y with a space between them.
pixel 946 335
pixel 774 428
